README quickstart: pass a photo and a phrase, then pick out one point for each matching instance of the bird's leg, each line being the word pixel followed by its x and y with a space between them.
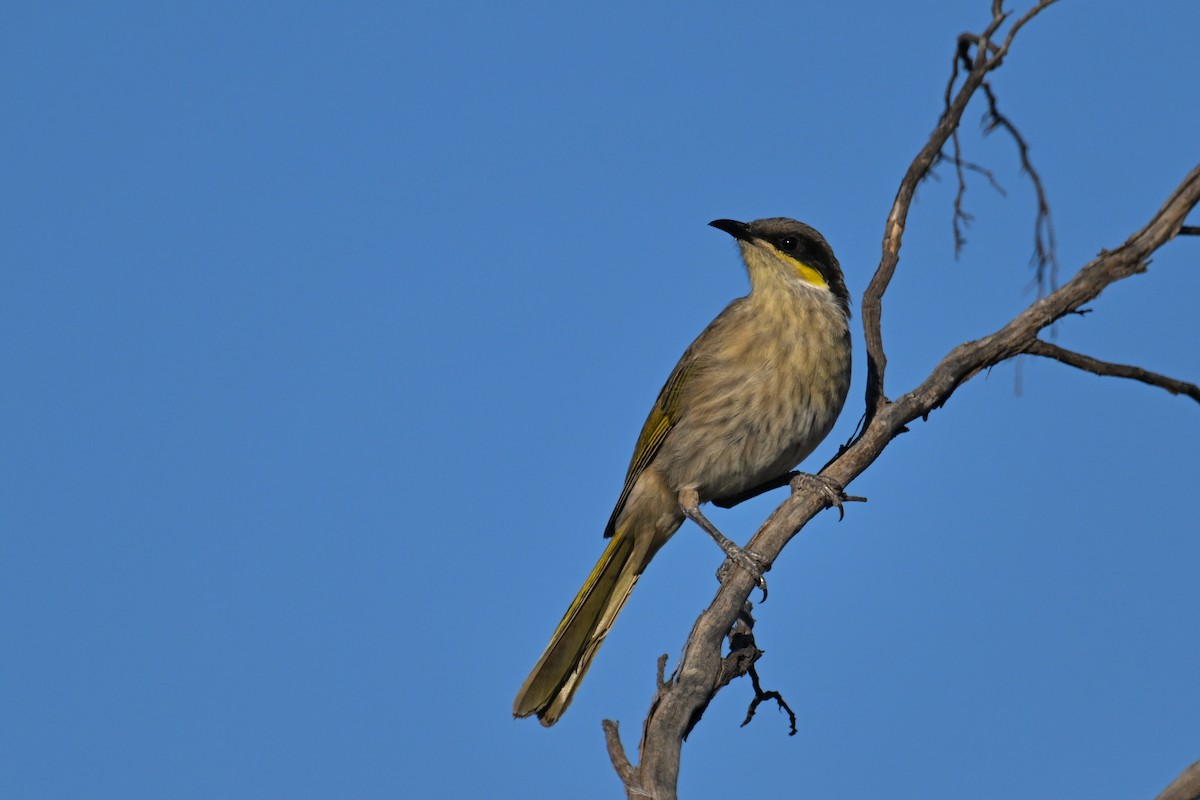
pixel 829 490
pixel 774 483
pixel 689 503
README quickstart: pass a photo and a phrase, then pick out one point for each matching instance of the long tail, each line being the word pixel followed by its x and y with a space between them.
pixel 550 686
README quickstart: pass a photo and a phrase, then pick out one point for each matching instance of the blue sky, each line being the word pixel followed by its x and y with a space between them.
pixel 327 331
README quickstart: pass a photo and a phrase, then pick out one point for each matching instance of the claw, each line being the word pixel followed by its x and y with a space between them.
pixel 746 559
pixel 751 562
pixel 830 491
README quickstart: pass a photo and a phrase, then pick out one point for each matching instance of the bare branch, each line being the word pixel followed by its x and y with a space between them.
pixel 702 670
pixel 616 754
pixel 698 672
pixel 760 696
pixel 1043 228
pixel 986 173
pixel 987 57
pixel 1185 787
pixel 1020 23
pixel 1039 347
pixel 961 219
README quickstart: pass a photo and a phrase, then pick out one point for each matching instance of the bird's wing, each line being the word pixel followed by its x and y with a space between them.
pixel 668 408
pixel 663 417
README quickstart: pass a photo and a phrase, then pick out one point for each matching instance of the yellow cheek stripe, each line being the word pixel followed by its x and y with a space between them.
pixel 806 272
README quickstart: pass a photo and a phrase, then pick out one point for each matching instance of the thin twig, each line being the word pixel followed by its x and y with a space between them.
pixel 986 173
pixel 1020 23
pixel 961 219
pixel 760 696
pixel 872 302
pixel 1039 347
pixel 1044 255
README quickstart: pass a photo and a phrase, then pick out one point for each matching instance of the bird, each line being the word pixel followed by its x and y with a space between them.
pixel 751 397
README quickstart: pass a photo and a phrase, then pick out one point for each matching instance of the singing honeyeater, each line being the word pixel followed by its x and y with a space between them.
pixel 751 397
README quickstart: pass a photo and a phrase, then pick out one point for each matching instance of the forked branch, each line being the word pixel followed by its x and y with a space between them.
pixel 987 56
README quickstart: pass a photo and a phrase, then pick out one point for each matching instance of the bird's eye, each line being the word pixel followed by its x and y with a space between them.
pixel 788 243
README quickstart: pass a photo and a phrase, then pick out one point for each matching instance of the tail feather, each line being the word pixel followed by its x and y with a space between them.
pixel 550 686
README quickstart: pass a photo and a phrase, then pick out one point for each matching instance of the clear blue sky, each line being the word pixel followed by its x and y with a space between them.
pixel 326 331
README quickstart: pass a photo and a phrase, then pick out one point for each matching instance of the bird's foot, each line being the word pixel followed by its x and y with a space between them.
pixel 832 492
pixel 748 560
